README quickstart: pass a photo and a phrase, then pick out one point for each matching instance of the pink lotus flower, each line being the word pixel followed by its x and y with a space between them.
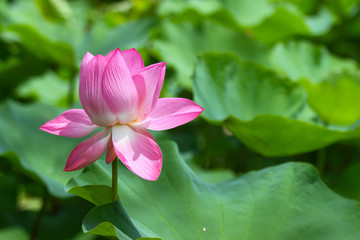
pixel 118 93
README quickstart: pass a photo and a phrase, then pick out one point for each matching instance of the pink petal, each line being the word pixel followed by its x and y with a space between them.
pixel 72 123
pixel 90 92
pixel 87 58
pixel 119 90
pixel 171 112
pixel 149 82
pixel 88 151
pixel 133 60
pixel 110 54
pixel 110 154
pixel 139 152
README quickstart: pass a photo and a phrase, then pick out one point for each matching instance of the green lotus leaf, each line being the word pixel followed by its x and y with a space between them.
pixel 179 43
pixel 266 112
pixel 266 21
pixel 59 52
pixel 336 98
pixel 288 201
pixel 56 11
pixel 38 154
pixel 301 59
pixel 273 135
pixel 240 13
pixel 104 38
pixel 287 21
pixel 47 88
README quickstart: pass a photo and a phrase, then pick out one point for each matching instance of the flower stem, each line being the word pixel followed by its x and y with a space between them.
pixel 115 196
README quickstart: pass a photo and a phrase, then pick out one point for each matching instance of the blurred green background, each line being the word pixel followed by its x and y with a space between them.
pixel 279 81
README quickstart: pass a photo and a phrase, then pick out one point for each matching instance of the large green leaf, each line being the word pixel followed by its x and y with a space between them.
pixel 31 14
pixel 302 59
pixel 248 12
pixel 56 11
pixel 287 21
pixel 285 202
pixel 103 38
pixel 168 7
pixel 27 22
pixel 179 44
pixel 225 86
pixel 273 135
pixel 38 154
pixel 259 107
pixel 58 52
pixel 242 13
pixel 48 88
pixel 336 98
pixel 267 21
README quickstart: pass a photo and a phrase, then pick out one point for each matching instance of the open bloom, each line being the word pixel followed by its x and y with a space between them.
pixel 121 95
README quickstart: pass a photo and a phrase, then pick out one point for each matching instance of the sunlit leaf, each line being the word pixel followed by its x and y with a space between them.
pixel 288 20
pixel 57 11
pixel 226 86
pixel 167 7
pixel 263 110
pixel 244 13
pixel 267 21
pixel 336 99
pixel 303 60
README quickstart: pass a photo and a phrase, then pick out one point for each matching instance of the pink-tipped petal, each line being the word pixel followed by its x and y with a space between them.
pixel 90 92
pixel 73 123
pixel 88 151
pixel 133 60
pixel 110 54
pixel 119 90
pixel 171 112
pixel 139 152
pixel 149 82
pixel 110 154
pixel 87 58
